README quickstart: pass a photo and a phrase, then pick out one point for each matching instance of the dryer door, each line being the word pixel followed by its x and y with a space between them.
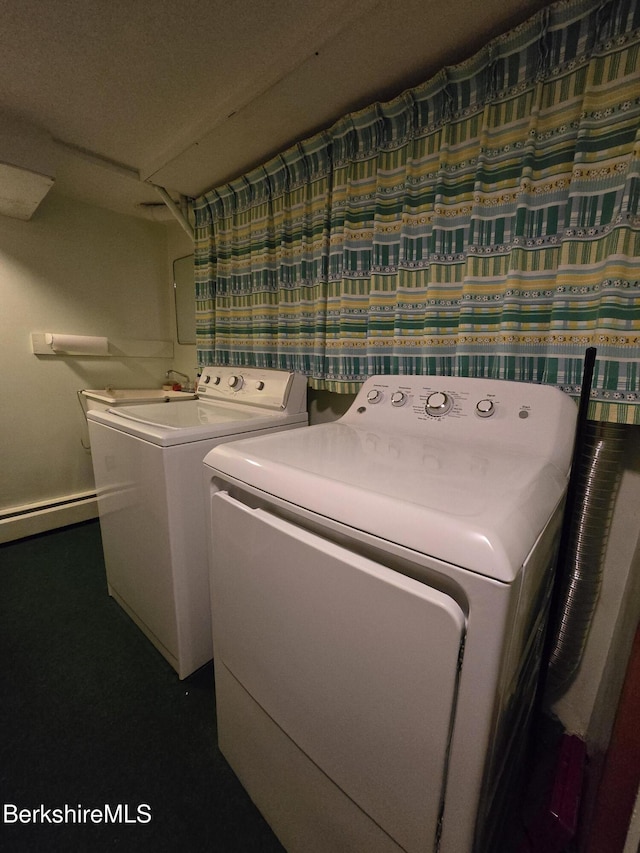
pixel 356 663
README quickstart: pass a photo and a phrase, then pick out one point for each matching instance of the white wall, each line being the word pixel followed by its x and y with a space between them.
pixel 179 245
pixel 78 269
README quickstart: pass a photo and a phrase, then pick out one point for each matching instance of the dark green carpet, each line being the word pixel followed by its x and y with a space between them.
pixel 92 716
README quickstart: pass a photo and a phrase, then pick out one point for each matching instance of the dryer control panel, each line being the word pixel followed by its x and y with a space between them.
pixel 462 409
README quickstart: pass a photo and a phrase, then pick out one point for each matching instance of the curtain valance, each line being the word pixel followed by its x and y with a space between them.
pixel 485 223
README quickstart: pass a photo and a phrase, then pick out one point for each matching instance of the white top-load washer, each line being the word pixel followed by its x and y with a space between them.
pixel 379 590
pixel 147 461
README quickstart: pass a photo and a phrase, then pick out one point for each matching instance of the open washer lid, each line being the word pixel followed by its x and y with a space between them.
pixel 131 396
pixel 233 401
pixel 193 420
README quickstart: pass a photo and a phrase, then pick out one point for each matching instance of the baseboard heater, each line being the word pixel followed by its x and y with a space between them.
pixel 29 519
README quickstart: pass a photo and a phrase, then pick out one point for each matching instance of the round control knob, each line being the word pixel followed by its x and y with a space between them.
pixel 398 398
pixel 207 379
pixel 235 382
pixel 374 396
pixel 438 404
pixel 216 381
pixel 485 408
pixel 259 385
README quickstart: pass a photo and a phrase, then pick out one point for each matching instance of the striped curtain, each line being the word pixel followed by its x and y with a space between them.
pixel 485 223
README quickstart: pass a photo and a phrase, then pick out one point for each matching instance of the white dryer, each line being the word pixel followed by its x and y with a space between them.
pixel 379 591
pixel 147 461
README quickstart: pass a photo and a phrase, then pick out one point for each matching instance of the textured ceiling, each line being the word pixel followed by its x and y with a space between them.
pixel 188 95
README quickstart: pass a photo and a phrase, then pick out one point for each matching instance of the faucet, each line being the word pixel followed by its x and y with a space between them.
pixel 188 384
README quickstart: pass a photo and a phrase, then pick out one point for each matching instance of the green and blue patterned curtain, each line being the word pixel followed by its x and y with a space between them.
pixel 485 223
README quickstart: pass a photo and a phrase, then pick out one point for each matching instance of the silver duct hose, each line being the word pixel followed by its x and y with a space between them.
pixel 597 484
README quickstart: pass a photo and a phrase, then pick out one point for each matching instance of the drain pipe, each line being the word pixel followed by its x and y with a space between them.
pixel 173 207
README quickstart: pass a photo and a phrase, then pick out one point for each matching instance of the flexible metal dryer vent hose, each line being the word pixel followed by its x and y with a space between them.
pixel 597 484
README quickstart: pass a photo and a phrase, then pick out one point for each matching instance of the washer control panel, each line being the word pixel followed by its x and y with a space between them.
pixel 273 389
pixel 459 407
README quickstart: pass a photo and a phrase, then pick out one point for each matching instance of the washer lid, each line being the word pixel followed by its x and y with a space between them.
pixel 477 507
pixel 130 396
pixel 194 420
